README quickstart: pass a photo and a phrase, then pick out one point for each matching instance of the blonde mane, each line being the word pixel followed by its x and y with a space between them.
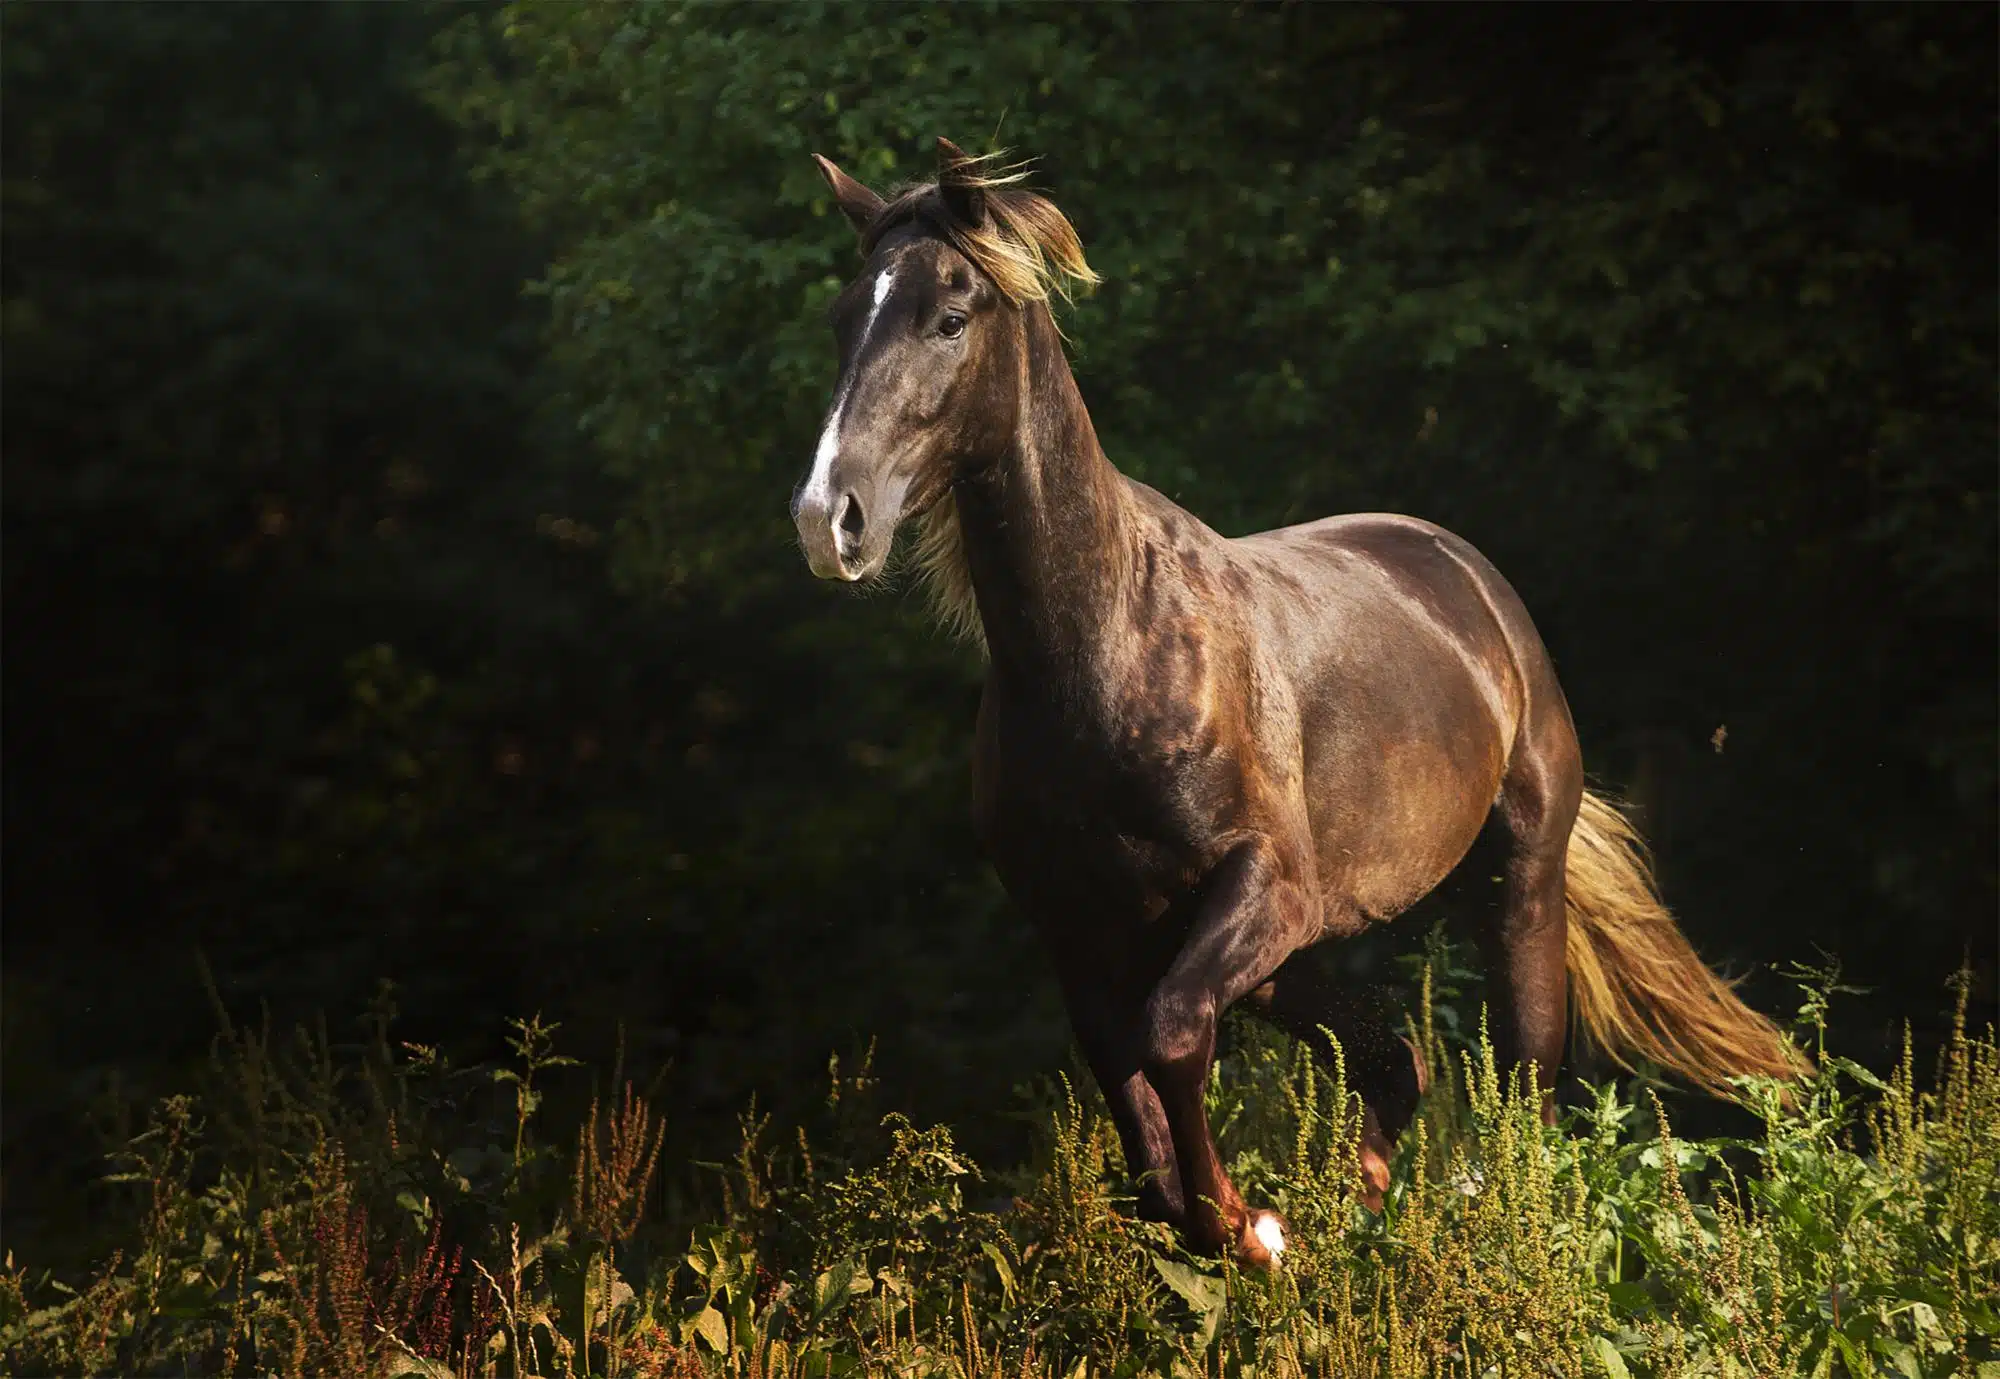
pixel 1032 253
pixel 939 559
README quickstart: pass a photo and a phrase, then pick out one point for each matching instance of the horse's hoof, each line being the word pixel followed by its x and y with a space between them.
pixel 1263 1241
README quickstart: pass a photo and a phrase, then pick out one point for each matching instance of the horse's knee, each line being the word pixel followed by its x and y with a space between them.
pixel 1180 1031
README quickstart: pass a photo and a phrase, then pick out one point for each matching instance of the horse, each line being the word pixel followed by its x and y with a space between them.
pixel 1197 757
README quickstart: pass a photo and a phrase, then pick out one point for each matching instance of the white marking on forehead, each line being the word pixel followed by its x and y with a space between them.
pixel 820 484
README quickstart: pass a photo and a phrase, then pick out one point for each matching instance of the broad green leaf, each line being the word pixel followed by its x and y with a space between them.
pixel 1206 1294
pixel 712 1327
pixel 1000 1267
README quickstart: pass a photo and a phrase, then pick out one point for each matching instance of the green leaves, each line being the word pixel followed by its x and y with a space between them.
pixel 1207 1296
pixel 861 1253
pixel 833 1289
pixel 725 1319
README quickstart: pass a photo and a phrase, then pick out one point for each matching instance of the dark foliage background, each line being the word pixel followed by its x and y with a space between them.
pixel 400 405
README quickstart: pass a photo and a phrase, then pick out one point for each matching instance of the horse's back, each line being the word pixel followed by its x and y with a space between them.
pixel 1375 572
pixel 1386 539
pixel 1432 561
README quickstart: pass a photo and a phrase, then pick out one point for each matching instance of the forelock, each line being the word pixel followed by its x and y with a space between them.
pixel 1025 245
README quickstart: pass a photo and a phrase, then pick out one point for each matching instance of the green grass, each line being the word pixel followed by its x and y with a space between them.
pixel 392 1215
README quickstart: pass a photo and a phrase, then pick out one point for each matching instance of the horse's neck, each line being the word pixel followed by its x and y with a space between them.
pixel 1047 528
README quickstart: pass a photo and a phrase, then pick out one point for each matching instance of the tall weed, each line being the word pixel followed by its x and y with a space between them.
pixel 384 1214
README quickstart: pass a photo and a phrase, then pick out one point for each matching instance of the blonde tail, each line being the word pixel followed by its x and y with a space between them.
pixel 1637 986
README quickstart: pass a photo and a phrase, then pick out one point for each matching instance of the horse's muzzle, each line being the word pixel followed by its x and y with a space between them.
pixel 831 533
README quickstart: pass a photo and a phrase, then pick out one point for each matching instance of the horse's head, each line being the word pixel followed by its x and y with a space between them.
pixel 931 338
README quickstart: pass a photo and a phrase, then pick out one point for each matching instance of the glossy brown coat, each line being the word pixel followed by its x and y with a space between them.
pixel 1196 756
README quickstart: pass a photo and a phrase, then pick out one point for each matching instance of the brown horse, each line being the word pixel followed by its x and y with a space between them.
pixel 1196 756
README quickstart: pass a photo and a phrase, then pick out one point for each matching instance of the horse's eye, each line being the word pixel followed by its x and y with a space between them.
pixel 952 326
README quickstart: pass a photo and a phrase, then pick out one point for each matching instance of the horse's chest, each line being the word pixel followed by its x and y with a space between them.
pixel 1070 820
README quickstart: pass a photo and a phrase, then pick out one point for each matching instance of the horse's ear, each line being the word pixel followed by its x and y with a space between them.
pixel 856 202
pixel 958 184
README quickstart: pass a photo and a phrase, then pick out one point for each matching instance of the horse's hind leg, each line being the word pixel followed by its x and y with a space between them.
pixel 1525 942
pixel 1380 1065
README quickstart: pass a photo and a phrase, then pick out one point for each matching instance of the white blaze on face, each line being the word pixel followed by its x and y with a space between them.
pixel 819 486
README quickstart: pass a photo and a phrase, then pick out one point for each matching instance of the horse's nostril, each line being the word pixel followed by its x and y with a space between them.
pixel 851 518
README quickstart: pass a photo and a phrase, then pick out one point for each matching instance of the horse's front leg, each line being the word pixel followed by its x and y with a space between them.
pixel 1109 1021
pixel 1252 915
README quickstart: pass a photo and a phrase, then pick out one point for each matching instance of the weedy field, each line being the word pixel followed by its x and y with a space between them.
pixel 396 1216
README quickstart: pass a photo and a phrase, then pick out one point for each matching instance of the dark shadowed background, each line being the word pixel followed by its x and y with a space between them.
pixel 401 405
